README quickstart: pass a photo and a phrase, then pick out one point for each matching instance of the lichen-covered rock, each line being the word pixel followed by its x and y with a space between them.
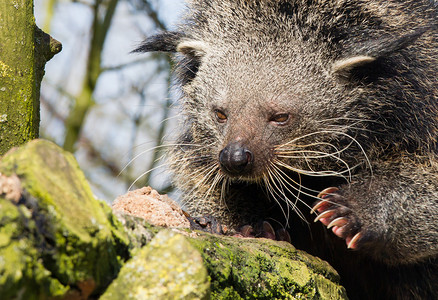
pixel 56 239
pixel 58 242
pixel 169 267
pixel 265 269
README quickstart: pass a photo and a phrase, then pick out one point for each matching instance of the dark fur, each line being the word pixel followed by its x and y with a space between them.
pixel 358 80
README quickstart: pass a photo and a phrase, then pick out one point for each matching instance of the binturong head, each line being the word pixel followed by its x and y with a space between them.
pixel 271 87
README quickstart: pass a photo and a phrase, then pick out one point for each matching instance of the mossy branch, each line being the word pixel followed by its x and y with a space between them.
pixel 24 52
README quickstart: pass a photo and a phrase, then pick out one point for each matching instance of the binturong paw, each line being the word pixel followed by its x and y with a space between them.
pixel 206 223
pixel 264 229
pixel 333 213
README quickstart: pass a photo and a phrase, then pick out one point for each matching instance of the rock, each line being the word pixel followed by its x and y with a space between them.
pixel 58 242
pixel 156 209
pixel 257 268
pixel 56 239
pixel 169 267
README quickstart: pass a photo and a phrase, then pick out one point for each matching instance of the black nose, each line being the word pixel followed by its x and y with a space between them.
pixel 235 158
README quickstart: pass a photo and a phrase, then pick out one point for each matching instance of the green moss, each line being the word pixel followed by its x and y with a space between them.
pixel 228 293
pixel 51 174
pixel 66 230
pixel 265 269
pixel 167 268
pixel 139 231
pixel 5 70
pixel 22 273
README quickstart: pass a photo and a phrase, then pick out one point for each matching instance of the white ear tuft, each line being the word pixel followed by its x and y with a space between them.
pixel 347 64
pixel 192 48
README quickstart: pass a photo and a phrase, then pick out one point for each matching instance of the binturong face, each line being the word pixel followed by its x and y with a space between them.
pixel 254 107
pixel 275 90
pixel 259 115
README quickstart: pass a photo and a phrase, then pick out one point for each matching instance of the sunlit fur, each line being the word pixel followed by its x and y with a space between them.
pixel 337 123
pixel 358 80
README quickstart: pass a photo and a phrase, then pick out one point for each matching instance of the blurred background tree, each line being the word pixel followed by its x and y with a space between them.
pixel 114 110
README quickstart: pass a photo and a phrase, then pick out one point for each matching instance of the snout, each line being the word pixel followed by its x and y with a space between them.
pixel 236 159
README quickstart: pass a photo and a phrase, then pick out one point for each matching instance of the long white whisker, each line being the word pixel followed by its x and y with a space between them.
pixel 338 133
pixel 272 191
pixel 153 149
pixel 144 173
pixel 283 176
pixel 304 193
pixel 314 173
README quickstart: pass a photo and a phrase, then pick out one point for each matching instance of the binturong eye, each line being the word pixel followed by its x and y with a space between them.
pixel 220 115
pixel 280 119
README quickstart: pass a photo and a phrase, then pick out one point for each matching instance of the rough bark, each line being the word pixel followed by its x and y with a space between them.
pixel 24 51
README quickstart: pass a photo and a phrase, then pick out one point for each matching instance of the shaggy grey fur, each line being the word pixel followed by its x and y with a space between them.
pixel 320 94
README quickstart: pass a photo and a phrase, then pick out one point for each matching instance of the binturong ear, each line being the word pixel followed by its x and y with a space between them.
pixel 166 41
pixel 176 42
pixel 193 51
pixel 346 65
pixel 192 48
pixel 370 52
pixel 173 41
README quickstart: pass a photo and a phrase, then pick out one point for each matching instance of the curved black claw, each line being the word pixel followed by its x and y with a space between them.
pixel 334 213
pixel 264 229
pixel 206 223
pixel 283 235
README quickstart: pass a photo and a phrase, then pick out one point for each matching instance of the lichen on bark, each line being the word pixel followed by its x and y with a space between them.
pixel 23 54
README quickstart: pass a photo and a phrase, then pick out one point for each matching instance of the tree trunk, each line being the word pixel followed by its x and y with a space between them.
pixel 24 50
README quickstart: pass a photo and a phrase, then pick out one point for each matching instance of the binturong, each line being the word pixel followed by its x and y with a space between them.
pixel 298 111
